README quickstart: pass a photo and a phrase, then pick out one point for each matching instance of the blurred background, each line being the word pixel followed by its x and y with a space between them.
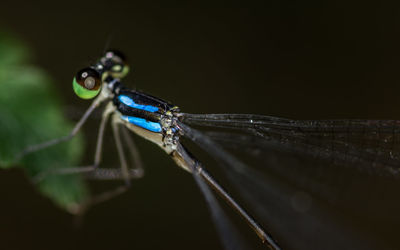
pixel 306 60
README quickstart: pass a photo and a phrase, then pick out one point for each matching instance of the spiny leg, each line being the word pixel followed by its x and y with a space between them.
pixel 111 174
pixel 134 152
pixel 134 172
pixel 40 146
pixel 122 173
pixel 97 159
pixel 92 171
pixel 116 122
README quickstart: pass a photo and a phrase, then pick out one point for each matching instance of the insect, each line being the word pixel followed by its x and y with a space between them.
pixel 369 144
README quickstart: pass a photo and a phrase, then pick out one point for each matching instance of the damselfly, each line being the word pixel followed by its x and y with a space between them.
pixel 370 145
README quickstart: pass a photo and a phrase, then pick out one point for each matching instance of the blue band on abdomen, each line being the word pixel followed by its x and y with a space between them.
pixel 140 122
pixel 131 103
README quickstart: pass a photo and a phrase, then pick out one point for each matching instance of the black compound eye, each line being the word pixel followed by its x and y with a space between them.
pixel 89 79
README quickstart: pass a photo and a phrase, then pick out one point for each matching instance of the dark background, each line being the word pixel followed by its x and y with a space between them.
pixel 299 60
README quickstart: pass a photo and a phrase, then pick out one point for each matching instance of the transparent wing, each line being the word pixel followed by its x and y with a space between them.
pixel 230 238
pixel 371 145
pixel 298 197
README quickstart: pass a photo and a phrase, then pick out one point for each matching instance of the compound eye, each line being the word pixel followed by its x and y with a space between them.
pixel 87 83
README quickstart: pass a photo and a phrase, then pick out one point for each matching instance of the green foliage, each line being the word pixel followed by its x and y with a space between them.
pixel 29 114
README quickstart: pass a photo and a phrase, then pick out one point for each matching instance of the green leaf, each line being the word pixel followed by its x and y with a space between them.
pixel 30 113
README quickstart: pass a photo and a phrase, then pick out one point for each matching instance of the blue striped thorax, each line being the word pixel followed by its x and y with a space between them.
pixel 141 122
pixel 143 110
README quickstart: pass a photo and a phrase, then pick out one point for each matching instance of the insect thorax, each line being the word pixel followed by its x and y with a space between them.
pixel 169 127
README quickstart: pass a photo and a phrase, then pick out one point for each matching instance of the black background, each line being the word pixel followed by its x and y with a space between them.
pixel 306 60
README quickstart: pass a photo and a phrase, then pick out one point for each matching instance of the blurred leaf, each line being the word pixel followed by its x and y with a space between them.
pixel 29 114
